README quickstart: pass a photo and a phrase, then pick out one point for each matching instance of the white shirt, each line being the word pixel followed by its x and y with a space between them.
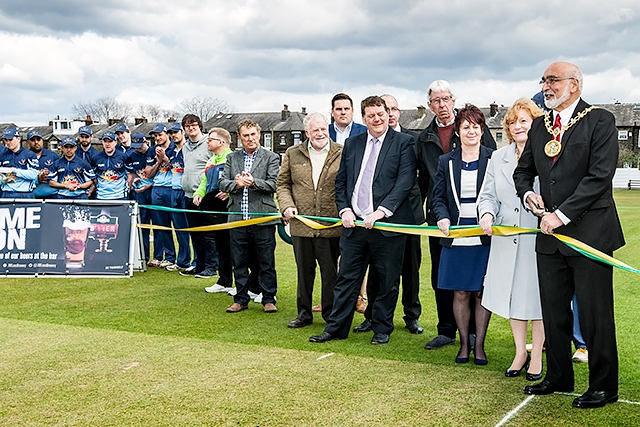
pixel 341 136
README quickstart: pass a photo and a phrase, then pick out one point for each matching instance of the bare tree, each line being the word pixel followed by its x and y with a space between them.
pixel 103 109
pixel 153 112
pixel 204 107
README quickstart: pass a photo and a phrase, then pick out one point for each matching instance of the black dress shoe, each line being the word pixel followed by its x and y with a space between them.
pixel 323 337
pixel 363 327
pixel 545 387
pixel 510 373
pixel 380 338
pixel 299 323
pixel 595 399
pixel 414 327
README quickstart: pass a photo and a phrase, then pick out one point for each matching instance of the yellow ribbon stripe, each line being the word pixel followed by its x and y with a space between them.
pixel 224 226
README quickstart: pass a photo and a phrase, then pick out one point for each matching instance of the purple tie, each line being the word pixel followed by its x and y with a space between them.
pixel 367 177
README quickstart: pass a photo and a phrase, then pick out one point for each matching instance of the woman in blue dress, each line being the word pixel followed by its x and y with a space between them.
pixel 463 262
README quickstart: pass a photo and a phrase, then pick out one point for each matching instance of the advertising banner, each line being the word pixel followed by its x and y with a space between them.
pixel 59 237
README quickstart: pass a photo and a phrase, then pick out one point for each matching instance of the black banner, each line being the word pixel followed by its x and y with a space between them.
pixel 59 237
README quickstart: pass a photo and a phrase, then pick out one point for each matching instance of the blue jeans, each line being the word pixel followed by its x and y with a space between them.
pixel 578 341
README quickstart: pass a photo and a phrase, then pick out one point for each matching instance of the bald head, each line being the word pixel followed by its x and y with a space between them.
pixel 561 85
pixel 394 110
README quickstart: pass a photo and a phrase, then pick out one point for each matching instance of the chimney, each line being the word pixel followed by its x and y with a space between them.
pixel 112 122
pixel 140 120
pixel 286 113
pixel 304 110
pixel 422 111
pixel 171 119
pixel 493 109
pixel 88 120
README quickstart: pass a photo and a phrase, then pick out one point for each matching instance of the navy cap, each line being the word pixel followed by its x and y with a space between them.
pixel 85 130
pixel 137 140
pixel 121 127
pixel 175 127
pixel 10 133
pixel 108 135
pixel 33 133
pixel 158 129
pixel 67 140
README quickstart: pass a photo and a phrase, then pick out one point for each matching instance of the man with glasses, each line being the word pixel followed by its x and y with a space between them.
pixel 46 159
pixel 111 170
pixel 573 151
pixel 159 169
pixel 435 140
pixel 18 167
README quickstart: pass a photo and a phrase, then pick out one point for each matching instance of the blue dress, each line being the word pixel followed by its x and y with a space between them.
pixel 464 264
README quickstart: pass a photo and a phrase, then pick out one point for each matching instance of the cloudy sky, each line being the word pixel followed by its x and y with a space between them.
pixel 258 55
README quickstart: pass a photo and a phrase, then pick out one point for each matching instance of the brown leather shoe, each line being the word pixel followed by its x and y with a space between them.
pixel 361 304
pixel 316 308
pixel 235 307
pixel 270 308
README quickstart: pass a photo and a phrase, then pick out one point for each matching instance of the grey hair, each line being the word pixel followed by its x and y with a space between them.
pixel 312 118
pixel 576 73
pixel 440 86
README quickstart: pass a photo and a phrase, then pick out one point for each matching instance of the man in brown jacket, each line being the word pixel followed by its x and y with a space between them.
pixel 306 186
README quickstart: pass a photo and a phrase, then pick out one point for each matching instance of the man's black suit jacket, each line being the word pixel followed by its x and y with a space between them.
pixel 393 178
pixel 578 183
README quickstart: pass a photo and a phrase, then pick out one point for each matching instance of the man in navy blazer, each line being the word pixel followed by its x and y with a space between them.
pixel 343 126
pixel 377 172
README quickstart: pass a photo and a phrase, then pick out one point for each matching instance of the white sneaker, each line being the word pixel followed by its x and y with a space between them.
pixel 232 292
pixel 165 264
pixel 173 267
pixel 215 289
pixel 253 296
pixel 581 356
pixel 154 263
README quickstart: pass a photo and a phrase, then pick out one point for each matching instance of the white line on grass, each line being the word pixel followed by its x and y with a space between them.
pixel 514 411
pixel 325 355
pixel 619 400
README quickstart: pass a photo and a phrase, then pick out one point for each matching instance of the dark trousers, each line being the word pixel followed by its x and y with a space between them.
pixel 308 251
pixel 410 281
pixel 180 221
pixel 204 244
pixel 163 246
pixel 144 198
pixel 560 276
pixel 359 249
pixel 263 240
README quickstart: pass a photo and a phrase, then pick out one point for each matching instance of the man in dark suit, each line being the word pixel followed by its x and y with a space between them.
pixel 412 250
pixel 574 150
pixel 249 176
pixel 343 125
pixel 377 171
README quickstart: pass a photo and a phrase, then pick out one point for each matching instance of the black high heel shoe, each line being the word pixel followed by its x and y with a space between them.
pixel 535 377
pixel 510 373
pixel 480 362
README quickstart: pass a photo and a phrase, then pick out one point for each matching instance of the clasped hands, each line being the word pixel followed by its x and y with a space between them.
pixel 244 179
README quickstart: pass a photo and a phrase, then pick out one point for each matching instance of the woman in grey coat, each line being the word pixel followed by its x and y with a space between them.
pixel 511 283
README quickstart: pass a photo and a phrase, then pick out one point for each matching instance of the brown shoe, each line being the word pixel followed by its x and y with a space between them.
pixel 361 304
pixel 270 308
pixel 317 308
pixel 235 307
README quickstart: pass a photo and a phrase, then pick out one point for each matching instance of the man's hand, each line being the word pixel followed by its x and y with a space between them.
pixel 244 179
pixel 161 156
pixel 444 225
pixel 197 200
pixel 550 222
pixel 348 219
pixel 43 176
pixel 289 213
pixel 486 223
pixel 536 204
pixel 222 196
pixel 372 218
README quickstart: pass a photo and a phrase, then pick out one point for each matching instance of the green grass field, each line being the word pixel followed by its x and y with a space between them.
pixel 156 350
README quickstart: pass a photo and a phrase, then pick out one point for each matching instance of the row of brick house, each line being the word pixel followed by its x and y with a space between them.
pixel 281 130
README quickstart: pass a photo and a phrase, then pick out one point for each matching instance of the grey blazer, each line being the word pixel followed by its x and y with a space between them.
pixel 264 170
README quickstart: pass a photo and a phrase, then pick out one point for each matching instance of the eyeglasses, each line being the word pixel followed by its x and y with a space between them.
pixel 443 100
pixel 551 80
pixel 211 139
pixel 191 125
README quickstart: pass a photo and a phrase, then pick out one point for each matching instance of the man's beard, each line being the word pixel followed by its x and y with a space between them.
pixel 554 102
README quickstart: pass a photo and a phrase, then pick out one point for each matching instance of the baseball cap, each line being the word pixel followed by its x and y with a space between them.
pixel 67 140
pixel 108 135
pixel 121 127
pixel 85 130
pixel 175 127
pixel 137 140
pixel 10 133
pixel 158 129
pixel 33 133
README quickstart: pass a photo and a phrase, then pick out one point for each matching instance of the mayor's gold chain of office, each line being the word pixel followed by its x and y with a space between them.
pixel 553 147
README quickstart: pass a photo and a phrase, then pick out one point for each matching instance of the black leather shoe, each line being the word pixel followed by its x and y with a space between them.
pixel 323 337
pixel 363 327
pixel 414 327
pixel 595 399
pixel 298 323
pixel 510 373
pixel 380 338
pixel 545 387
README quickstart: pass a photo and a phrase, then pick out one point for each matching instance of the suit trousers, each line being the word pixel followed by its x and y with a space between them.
pixel 358 249
pixel 560 276
pixel 263 239
pixel 410 281
pixel 308 252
